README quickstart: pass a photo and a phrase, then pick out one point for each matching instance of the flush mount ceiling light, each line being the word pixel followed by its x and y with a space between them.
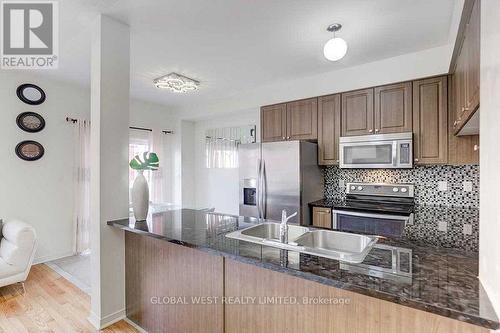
pixel 176 83
pixel 336 48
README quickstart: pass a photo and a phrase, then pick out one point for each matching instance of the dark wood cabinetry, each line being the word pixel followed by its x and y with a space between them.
pixel 393 109
pixel 296 120
pixel 302 119
pixel 273 122
pixel 430 120
pixel 357 112
pixel 379 110
pixel 466 71
pixel 461 149
pixel 328 129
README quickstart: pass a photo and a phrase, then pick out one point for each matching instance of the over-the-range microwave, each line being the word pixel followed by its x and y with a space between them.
pixel 391 151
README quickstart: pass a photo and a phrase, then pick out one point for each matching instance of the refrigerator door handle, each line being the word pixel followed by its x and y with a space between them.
pixel 259 166
pixel 263 189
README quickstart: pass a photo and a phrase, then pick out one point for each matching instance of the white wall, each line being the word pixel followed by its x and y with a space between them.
pixel 489 226
pixel 41 192
pixel 219 188
pixel 401 68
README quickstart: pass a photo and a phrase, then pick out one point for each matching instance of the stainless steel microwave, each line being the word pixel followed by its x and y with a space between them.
pixel 392 151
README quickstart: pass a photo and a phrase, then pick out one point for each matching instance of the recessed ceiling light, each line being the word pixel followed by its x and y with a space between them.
pixel 336 48
pixel 176 83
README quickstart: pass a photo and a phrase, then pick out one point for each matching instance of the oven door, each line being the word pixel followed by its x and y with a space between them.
pixel 369 154
pixel 371 223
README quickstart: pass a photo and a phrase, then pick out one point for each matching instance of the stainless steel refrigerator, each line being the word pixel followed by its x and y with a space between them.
pixel 279 175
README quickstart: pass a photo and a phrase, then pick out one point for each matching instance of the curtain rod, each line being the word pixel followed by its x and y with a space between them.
pixel 216 138
pixel 73 120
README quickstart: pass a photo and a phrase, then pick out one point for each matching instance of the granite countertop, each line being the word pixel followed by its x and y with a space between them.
pixel 441 281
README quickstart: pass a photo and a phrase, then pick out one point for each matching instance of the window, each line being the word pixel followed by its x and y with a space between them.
pixel 221 148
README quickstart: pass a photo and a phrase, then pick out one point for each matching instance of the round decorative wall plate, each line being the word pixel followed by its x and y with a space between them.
pixel 30 122
pixel 30 94
pixel 29 150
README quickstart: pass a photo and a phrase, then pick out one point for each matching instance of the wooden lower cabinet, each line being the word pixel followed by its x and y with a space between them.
pixel 155 269
pixel 322 217
pixel 362 314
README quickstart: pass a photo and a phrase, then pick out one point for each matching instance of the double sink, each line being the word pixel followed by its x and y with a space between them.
pixel 343 246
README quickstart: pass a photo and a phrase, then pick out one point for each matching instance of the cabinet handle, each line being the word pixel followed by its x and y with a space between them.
pixel 370 131
pixel 284 138
pixel 376 130
pixel 416 160
pixel 288 138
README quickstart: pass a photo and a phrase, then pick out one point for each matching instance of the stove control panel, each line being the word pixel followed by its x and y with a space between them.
pixel 376 189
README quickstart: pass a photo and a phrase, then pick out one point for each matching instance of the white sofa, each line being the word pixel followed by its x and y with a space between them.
pixel 17 250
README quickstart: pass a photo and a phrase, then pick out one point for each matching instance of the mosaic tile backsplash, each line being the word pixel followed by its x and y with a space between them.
pixel 447 199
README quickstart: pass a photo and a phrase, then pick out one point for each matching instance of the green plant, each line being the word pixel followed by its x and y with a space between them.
pixel 148 161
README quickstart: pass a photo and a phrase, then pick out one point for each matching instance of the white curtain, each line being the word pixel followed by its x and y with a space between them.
pixel 162 179
pixel 81 217
pixel 221 147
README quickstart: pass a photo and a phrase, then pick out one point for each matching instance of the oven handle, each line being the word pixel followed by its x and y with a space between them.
pixel 373 215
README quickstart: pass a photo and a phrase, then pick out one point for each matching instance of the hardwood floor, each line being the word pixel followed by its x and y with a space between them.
pixel 51 304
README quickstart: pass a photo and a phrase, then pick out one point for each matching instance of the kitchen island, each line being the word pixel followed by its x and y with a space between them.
pixel 178 256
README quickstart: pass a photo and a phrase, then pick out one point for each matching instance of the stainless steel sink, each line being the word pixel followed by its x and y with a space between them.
pixel 271 231
pixel 338 245
pixel 268 233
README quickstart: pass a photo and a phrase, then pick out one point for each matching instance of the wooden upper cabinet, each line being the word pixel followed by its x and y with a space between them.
pixel 328 129
pixel 473 58
pixel 393 109
pixel 357 112
pixel 273 122
pixel 430 124
pixel 302 119
pixel 466 76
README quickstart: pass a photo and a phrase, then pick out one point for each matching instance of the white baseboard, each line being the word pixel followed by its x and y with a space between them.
pixel 82 286
pixel 108 320
pixel 41 260
pixel 134 325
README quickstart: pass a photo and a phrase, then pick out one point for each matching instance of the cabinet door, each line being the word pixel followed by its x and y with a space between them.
pixel 473 55
pixel 430 111
pixel 357 112
pixel 393 109
pixel 461 149
pixel 328 129
pixel 302 119
pixel 461 83
pixel 273 122
pixel 322 217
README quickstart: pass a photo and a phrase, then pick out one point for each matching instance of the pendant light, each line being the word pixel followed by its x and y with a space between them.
pixel 336 48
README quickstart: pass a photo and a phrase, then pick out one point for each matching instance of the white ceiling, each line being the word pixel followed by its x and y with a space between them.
pixel 235 45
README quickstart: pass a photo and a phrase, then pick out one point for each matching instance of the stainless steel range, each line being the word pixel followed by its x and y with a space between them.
pixel 378 209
